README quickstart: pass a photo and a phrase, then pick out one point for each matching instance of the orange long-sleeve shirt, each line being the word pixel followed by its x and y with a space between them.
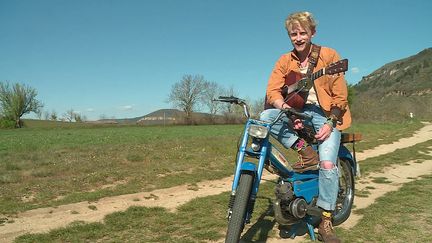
pixel 331 90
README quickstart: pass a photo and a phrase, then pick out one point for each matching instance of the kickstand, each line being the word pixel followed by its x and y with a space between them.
pixel 293 231
pixel 309 223
pixel 311 230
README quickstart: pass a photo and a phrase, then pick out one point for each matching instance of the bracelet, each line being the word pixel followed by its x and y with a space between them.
pixel 330 122
pixel 333 117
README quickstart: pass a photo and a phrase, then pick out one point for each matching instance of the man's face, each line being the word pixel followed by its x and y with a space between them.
pixel 300 37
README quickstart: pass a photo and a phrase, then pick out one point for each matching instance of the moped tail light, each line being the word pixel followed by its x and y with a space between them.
pixel 258 131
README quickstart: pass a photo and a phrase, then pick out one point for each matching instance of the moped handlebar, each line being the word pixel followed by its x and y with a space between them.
pixel 230 99
pixel 235 100
pixel 289 112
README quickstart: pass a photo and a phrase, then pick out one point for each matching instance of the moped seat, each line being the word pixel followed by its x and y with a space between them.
pixel 350 137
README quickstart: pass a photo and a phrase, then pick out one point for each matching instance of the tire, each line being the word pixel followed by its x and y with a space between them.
pixel 345 198
pixel 237 220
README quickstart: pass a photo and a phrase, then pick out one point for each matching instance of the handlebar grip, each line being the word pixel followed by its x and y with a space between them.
pixel 299 114
pixel 229 99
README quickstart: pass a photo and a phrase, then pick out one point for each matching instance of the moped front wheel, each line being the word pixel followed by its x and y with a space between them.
pixel 237 220
pixel 345 198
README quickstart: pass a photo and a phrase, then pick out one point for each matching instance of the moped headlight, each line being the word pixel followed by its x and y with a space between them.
pixel 257 131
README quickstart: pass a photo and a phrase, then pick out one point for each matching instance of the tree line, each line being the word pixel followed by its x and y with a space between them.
pixel 195 94
pixel 17 100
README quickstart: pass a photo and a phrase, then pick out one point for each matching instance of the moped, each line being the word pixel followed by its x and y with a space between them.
pixel 296 193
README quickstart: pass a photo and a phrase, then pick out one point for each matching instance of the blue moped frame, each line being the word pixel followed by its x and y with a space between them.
pixel 305 185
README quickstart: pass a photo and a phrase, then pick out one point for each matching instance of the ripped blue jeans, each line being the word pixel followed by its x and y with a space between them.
pixel 328 150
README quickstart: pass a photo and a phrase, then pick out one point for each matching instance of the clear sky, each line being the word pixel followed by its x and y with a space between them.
pixel 120 58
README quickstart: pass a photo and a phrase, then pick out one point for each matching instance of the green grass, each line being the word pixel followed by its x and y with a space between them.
pixel 402 216
pixel 193 222
pixel 400 156
pixel 52 163
pixel 62 165
pixel 380 163
pixel 375 134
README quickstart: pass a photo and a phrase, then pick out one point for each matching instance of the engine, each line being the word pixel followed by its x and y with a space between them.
pixel 288 209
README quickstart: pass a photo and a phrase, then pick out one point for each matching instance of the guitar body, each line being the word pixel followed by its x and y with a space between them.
pixel 294 99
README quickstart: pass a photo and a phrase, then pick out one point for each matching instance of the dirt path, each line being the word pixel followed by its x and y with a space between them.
pixel 45 219
pixel 397 175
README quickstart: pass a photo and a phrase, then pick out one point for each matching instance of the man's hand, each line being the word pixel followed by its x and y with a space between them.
pixel 298 124
pixel 285 106
pixel 324 132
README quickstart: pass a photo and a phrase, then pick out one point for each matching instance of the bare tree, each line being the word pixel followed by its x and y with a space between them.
pixel 103 117
pixel 79 117
pixel 16 101
pixel 46 115
pixel 232 113
pixel 187 94
pixel 69 115
pixel 257 106
pixel 39 114
pixel 229 108
pixel 212 91
pixel 54 116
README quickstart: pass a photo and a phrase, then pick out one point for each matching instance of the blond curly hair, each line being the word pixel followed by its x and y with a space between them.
pixel 304 19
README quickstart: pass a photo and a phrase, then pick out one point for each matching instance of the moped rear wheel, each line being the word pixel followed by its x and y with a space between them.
pixel 345 198
pixel 237 220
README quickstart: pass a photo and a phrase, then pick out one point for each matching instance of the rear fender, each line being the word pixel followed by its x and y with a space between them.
pixel 345 154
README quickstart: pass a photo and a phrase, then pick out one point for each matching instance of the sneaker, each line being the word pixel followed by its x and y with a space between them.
pixel 326 231
pixel 308 160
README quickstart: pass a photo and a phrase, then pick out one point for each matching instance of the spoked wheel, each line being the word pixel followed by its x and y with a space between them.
pixel 345 198
pixel 237 220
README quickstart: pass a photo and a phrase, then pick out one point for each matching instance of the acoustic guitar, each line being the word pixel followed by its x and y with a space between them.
pixel 297 98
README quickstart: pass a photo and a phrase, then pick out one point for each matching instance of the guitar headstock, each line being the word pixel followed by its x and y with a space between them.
pixel 337 67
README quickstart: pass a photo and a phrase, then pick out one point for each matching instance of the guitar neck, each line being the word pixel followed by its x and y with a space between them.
pixel 317 74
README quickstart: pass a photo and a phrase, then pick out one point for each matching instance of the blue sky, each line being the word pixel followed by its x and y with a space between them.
pixel 120 58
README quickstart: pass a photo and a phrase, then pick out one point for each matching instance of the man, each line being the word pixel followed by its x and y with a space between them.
pixel 326 101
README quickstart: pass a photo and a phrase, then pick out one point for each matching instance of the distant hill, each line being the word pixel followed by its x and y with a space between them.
pixel 396 89
pixel 169 114
pixel 160 117
pixel 174 116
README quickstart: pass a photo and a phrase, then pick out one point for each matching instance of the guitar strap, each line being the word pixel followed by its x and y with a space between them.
pixel 307 83
pixel 313 60
pixel 303 92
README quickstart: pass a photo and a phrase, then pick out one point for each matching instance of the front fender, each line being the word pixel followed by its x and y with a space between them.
pixel 249 166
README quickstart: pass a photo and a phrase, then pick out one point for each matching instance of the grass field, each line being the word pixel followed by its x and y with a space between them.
pixel 47 164
pixel 42 167
pixel 401 217
pixel 50 164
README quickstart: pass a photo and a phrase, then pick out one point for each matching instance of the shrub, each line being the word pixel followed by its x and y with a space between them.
pixel 5 123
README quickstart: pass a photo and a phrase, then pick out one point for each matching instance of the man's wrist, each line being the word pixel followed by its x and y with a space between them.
pixel 331 122
pixel 333 117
